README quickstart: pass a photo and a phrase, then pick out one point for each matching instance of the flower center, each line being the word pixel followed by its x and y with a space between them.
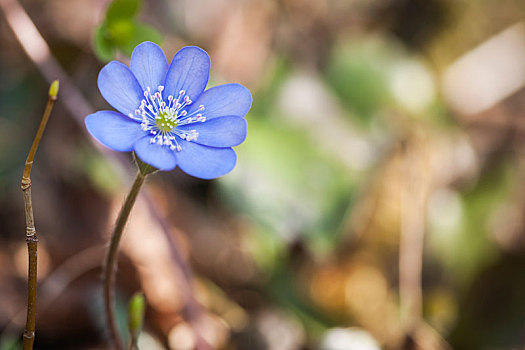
pixel 166 121
pixel 162 119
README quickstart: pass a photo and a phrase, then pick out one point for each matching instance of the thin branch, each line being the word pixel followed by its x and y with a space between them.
pixel 31 236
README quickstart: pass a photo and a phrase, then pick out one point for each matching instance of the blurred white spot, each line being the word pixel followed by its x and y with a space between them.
pixel 445 211
pixel 306 101
pixel 214 330
pixel 280 331
pixel 348 339
pixel 147 341
pixel 304 98
pixel 412 85
pixel 465 160
pixel 456 151
pixel 487 74
pixel 201 17
pixel 181 337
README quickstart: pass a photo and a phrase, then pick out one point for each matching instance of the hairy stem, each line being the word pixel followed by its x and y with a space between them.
pixel 110 262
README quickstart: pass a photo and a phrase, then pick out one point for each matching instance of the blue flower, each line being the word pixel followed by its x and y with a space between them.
pixel 165 116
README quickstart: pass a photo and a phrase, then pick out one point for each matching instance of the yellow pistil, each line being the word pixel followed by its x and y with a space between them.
pixel 166 121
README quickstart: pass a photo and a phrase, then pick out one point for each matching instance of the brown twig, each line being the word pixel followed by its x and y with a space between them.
pixel 31 236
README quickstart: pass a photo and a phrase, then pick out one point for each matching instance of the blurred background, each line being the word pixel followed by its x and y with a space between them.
pixel 378 201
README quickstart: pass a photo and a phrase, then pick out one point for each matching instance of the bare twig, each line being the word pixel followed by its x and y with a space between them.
pixel 31 236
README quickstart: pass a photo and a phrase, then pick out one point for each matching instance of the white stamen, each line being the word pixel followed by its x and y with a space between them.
pixel 161 119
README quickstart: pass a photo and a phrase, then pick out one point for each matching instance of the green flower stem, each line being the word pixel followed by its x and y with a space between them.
pixel 110 262
pixel 31 237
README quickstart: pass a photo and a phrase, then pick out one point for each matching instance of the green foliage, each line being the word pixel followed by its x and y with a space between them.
pixel 358 73
pixel 283 289
pixel 99 171
pixel 10 342
pixel 473 248
pixel 122 9
pixel 297 188
pixel 268 90
pixel 18 123
pixel 121 30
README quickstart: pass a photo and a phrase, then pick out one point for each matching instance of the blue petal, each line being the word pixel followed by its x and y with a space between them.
pixel 149 65
pixel 226 131
pixel 227 99
pixel 119 87
pixel 114 130
pixel 205 162
pixel 189 71
pixel 159 156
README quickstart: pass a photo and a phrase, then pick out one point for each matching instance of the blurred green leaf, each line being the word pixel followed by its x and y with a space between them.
pixel 140 33
pixel 104 48
pixel 21 105
pixel 473 248
pixel 268 89
pixel 122 9
pixel 145 32
pixel 296 189
pixel 98 170
pixel 358 73
pixel 10 342
pixel 120 31
pixel 285 290
pixel 265 249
